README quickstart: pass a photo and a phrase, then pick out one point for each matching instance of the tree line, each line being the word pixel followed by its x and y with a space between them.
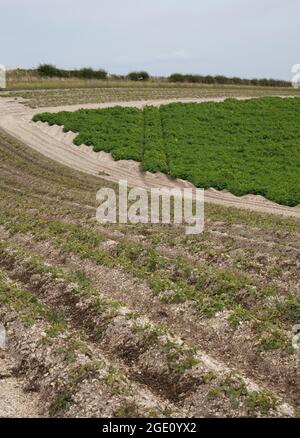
pixel 224 80
pixel 50 71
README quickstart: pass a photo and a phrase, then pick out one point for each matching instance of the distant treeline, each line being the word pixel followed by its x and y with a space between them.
pixel 199 79
pixel 51 71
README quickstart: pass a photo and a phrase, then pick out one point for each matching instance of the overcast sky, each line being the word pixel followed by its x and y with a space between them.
pixel 247 38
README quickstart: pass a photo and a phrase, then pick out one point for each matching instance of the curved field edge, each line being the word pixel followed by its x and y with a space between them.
pixel 245 147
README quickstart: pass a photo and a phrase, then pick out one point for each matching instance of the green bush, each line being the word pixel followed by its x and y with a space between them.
pixel 177 77
pixel 223 80
pixel 154 157
pixel 50 71
pixel 138 76
pixel 89 73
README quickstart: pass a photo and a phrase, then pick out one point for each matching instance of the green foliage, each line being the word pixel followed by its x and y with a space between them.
pixel 260 401
pixel 89 73
pixel 20 300
pixel 288 311
pixel 51 71
pixel 223 80
pixel 138 76
pixel 154 157
pixel 60 403
pixel 242 146
pixel 116 130
pixel 185 364
pixel 115 380
pixel 128 409
pixel 232 387
pixel 246 147
pixel 274 341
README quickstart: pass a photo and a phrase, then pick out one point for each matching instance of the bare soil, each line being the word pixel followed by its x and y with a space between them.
pixel 14 401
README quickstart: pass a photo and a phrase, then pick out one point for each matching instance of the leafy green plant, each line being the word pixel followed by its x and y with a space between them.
pixel 154 157
pixel 260 401
pixel 60 403
pixel 243 146
pixel 138 76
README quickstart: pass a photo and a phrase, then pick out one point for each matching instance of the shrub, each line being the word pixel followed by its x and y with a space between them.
pixel 223 80
pixel 177 77
pixel 138 76
pixel 48 70
pixel 89 73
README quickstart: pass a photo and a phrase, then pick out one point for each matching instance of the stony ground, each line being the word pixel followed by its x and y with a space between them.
pixel 142 320
pixel 14 401
pixel 36 98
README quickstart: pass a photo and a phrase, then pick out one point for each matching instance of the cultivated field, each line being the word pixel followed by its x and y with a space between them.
pixel 143 320
pixel 139 320
pixel 83 92
pixel 246 147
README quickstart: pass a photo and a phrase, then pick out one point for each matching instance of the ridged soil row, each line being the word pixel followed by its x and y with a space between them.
pixel 155 357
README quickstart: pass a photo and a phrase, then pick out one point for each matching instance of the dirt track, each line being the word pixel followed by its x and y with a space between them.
pixel 14 401
pixel 15 119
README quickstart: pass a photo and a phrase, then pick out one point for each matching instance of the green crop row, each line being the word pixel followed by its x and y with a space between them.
pixel 246 147
pixel 154 157
pixel 116 130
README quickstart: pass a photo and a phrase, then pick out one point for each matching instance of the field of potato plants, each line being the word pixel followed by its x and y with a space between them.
pixel 243 146
pixel 127 321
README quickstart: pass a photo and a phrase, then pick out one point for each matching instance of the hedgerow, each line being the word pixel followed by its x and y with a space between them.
pixel 138 76
pixel 223 80
pixel 246 147
pixel 51 71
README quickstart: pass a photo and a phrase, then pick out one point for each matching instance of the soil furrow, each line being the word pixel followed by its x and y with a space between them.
pixel 70 374
pixel 210 335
